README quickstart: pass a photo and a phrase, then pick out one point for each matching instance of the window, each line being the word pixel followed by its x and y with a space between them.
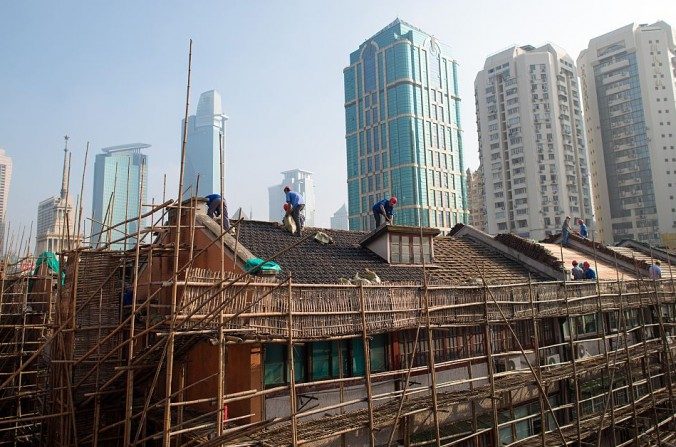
pixel 405 249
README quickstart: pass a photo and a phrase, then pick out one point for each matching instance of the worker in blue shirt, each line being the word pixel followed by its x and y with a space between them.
pixel 214 202
pixel 589 272
pixel 296 205
pixel 384 208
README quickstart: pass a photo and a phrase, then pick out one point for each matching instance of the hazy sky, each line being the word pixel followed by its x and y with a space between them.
pixel 114 72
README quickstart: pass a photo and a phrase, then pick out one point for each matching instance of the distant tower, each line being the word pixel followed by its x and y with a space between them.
pixel 206 132
pixel 402 129
pixel 5 179
pixel 56 220
pixel 531 141
pixel 299 181
pixel 476 199
pixel 628 79
pixel 116 194
pixel 339 219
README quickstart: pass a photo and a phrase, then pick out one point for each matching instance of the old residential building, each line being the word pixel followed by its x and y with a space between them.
pixel 476 199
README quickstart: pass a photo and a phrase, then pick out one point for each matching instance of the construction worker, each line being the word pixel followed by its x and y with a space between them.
pixel 654 271
pixel 214 202
pixel 384 208
pixel 565 231
pixel 583 228
pixel 296 205
pixel 589 272
pixel 577 271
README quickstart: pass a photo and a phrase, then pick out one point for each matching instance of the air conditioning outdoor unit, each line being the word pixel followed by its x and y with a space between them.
pixel 582 352
pixel 552 359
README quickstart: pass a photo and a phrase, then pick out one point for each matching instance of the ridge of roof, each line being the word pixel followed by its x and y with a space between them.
pixel 600 248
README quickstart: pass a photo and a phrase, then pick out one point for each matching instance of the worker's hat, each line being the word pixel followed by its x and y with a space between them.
pixel 286 188
pixel 393 200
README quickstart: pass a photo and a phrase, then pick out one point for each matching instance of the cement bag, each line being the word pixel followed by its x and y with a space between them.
pixel 289 224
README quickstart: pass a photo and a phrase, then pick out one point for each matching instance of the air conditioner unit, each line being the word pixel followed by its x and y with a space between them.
pixel 515 363
pixel 581 352
pixel 552 359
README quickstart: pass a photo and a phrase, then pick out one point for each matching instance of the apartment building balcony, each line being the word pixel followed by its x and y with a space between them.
pixel 620 100
pixel 618 76
pixel 616 65
pixel 618 89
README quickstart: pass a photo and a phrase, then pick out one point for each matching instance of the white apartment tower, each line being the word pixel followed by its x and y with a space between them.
pixel 5 180
pixel 531 141
pixel 300 181
pixel 628 81
pixel 56 221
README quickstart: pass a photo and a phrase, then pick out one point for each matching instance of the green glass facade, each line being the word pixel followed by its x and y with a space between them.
pixel 402 130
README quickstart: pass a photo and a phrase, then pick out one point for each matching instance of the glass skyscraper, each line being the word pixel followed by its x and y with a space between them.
pixel 117 184
pixel 202 154
pixel 402 130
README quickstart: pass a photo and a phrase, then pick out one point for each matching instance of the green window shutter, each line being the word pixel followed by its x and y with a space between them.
pixel 273 364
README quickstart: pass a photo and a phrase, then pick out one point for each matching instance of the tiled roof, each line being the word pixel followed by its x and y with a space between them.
pixel 600 248
pixel 605 270
pixel 530 249
pixel 457 260
pixel 312 262
pixel 465 260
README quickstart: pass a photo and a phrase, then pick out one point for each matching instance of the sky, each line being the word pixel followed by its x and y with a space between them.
pixel 111 73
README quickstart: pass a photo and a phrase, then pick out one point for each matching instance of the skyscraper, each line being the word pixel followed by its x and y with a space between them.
pixel 206 133
pixel 475 199
pixel 299 181
pixel 56 228
pixel 117 184
pixel 531 141
pixel 5 179
pixel 339 219
pixel 402 129
pixel 628 78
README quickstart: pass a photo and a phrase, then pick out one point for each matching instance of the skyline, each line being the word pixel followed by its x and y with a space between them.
pixel 125 81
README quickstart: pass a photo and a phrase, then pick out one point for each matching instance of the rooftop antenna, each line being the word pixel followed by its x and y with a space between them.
pixel 64 175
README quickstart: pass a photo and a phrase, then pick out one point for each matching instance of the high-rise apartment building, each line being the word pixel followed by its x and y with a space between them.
pixel 206 135
pixel 628 82
pixel 402 129
pixel 120 175
pixel 5 180
pixel 531 141
pixel 300 181
pixel 57 223
pixel 475 199
pixel 339 220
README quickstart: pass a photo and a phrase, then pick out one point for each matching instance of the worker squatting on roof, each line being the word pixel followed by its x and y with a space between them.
pixel 214 203
pixel 384 208
pixel 584 272
pixel 295 203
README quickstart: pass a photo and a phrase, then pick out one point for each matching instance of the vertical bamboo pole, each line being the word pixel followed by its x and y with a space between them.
pixel 77 235
pixel 221 337
pixel 292 367
pixel 367 365
pixel 490 367
pixel 538 361
pixel 166 437
pixel 430 365
pixel 622 321
pixel 129 392
pixel 573 351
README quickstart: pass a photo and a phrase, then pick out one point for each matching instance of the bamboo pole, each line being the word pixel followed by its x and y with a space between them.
pixel 292 368
pixel 129 392
pixel 166 438
pixel 538 362
pixel 367 366
pixel 221 338
pixel 491 368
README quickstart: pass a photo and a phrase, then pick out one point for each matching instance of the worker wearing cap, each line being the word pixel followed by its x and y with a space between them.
pixel 296 205
pixel 654 271
pixel 577 271
pixel 384 208
pixel 589 272
pixel 214 203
